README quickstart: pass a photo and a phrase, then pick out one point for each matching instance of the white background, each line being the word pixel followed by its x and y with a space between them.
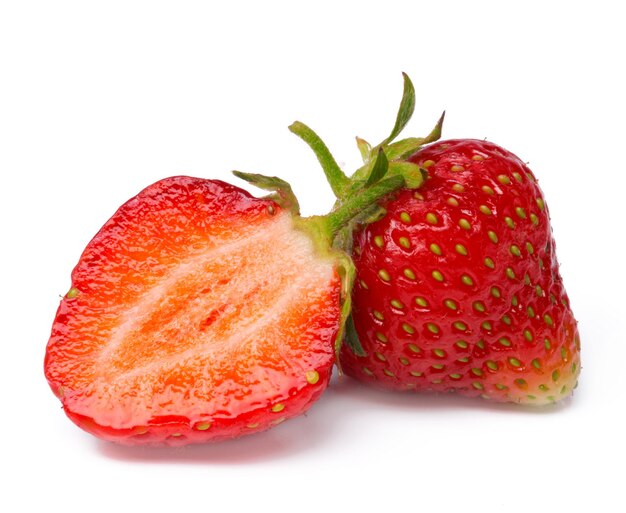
pixel 100 99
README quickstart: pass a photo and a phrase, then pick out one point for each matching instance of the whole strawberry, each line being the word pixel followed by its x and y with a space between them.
pixel 458 285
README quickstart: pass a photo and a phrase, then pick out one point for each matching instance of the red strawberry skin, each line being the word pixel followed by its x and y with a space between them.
pixel 197 313
pixel 458 286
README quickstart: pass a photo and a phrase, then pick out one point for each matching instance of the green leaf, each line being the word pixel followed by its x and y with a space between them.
pixel 407 147
pixel 407 106
pixel 347 273
pixel 379 169
pixel 336 178
pixel 365 149
pixel 284 195
pixel 413 174
pixel 404 148
pixel 352 338
pixel 435 133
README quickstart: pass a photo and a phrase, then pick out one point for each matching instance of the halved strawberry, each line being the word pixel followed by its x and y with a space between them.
pixel 197 313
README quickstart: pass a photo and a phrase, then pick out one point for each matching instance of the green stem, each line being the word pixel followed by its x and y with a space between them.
pixel 358 202
pixel 337 179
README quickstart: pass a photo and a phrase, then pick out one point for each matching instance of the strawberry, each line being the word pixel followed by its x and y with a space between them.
pixel 201 313
pixel 197 313
pixel 457 285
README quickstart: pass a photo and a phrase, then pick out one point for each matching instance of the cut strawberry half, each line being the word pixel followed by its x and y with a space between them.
pixel 197 312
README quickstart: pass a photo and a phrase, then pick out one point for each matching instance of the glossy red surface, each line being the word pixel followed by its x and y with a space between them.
pixel 458 287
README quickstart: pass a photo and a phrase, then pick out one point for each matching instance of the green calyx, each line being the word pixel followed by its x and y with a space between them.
pixel 385 169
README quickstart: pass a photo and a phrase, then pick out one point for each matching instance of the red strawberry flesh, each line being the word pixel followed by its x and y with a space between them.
pixel 196 313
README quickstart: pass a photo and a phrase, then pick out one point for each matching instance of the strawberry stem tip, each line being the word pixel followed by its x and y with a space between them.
pixel 337 179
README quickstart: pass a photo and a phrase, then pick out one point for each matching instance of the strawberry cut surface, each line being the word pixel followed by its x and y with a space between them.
pixel 458 286
pixel 197 313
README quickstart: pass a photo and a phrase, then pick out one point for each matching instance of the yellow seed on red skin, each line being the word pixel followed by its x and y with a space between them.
pixel 413 348
pixel 451 304
pixel 457 169
pixel 384 275
pixel 453 202
pixel 396 303
pixel 467 280
pixel 435 248
pixel 408 328
pixel 459 325
pixel 404 242
pixel 479 306
pixel 312 377
pixel 278 407
pixel 409 274
pixel 428 163
pixel 203 426
pixel 504 342
pixel 461 249
pixel 432 218
pixel 515 362
pixel 432 327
